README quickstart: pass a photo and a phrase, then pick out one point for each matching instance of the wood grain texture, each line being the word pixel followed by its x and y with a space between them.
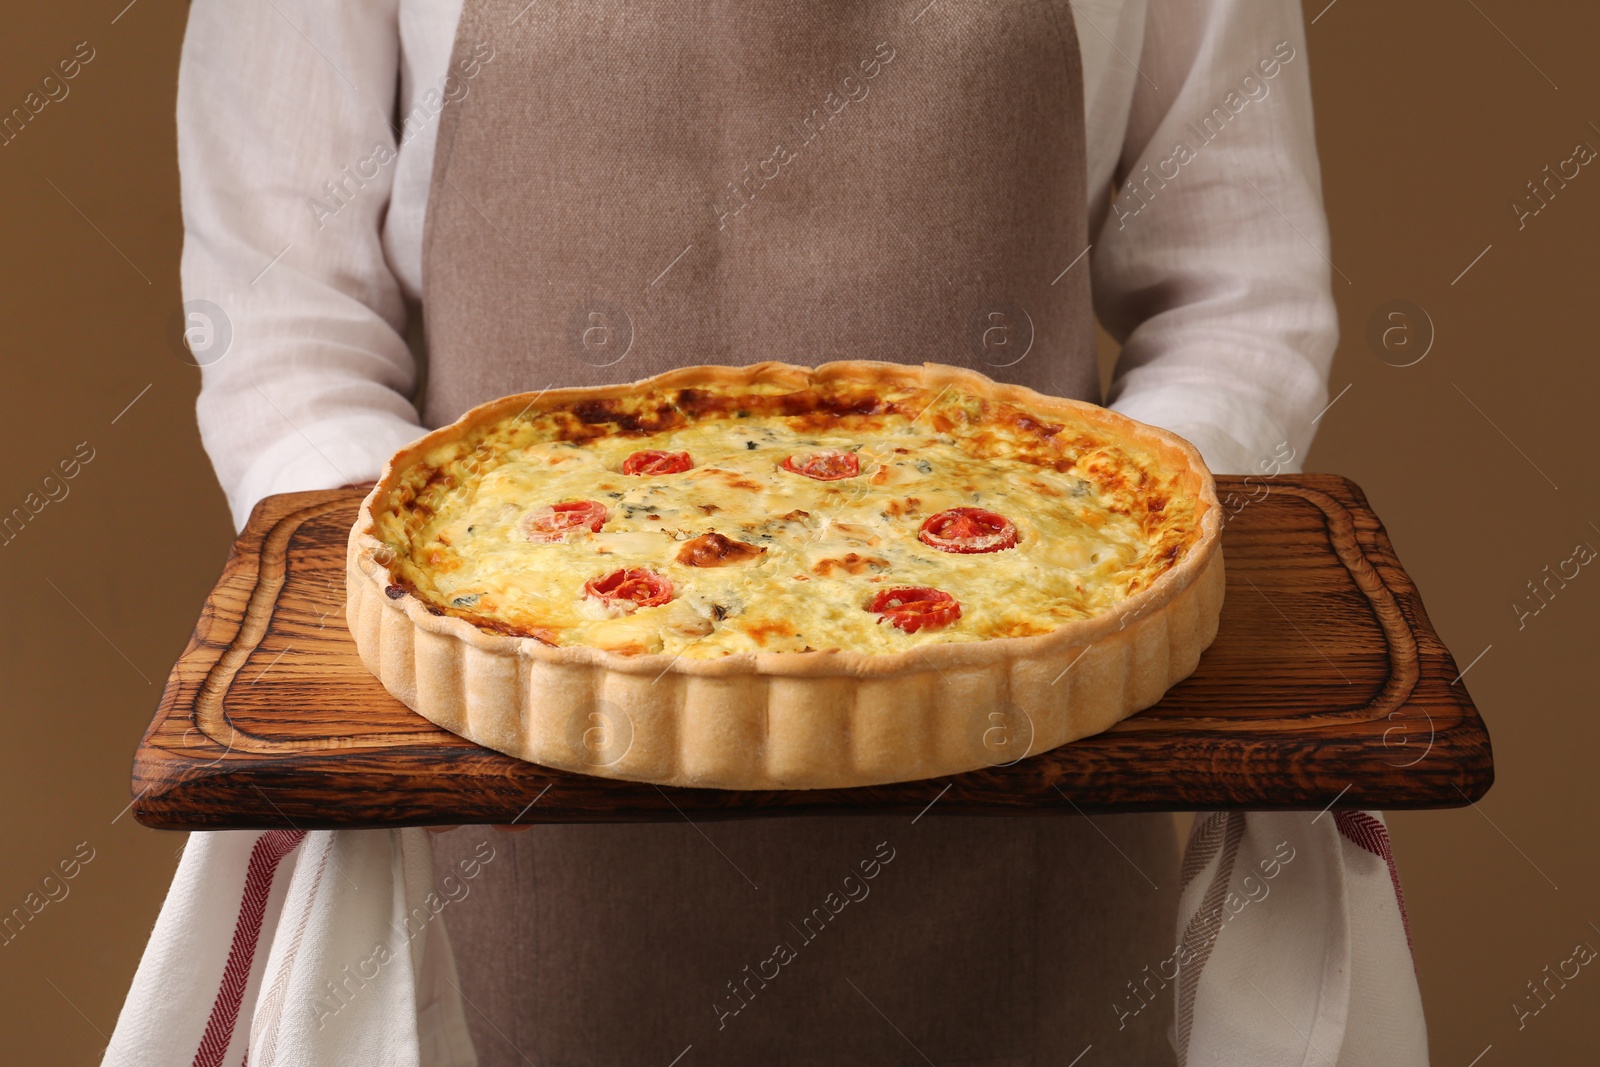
pixel 1326 685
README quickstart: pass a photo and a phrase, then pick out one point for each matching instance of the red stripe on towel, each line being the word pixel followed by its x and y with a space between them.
pixel 1368 833
pixel 269 850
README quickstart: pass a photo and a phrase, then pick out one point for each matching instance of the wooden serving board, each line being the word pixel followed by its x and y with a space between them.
pixel 1326 686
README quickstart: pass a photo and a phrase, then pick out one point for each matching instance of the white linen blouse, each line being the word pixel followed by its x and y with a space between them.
pixel 303 208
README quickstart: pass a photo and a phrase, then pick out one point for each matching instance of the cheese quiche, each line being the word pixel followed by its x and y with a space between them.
pixel 777 577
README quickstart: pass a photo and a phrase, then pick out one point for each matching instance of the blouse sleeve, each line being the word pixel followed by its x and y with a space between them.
pixel 1212 266
pixel 285 154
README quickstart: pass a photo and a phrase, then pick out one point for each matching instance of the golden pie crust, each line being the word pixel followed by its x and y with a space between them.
pixel 755 719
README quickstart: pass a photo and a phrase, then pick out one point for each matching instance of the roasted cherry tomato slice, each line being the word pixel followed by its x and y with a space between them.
pixel 968 530
pixel 554 521
pixel 653 461
pixel 825 464
pixel 636 587
pixel 916 607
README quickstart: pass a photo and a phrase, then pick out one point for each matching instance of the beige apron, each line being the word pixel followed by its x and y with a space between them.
pixel 630 187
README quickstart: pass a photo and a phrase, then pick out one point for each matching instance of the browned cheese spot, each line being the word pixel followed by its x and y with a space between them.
pixel 715 550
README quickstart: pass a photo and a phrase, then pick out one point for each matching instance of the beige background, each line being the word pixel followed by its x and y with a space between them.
pixel 1480 458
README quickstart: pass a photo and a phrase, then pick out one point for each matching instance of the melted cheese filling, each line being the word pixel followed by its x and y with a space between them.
pixel 1084 540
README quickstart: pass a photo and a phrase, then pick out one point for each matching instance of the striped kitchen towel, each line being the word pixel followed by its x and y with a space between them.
pixel 297 949
pixel 1293 946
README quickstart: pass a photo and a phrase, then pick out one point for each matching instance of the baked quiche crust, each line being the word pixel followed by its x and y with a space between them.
pixel 649 692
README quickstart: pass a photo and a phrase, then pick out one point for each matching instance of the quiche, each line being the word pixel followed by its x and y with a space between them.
pixel 780 577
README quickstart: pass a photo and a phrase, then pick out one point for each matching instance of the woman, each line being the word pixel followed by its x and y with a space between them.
pixel 548 193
